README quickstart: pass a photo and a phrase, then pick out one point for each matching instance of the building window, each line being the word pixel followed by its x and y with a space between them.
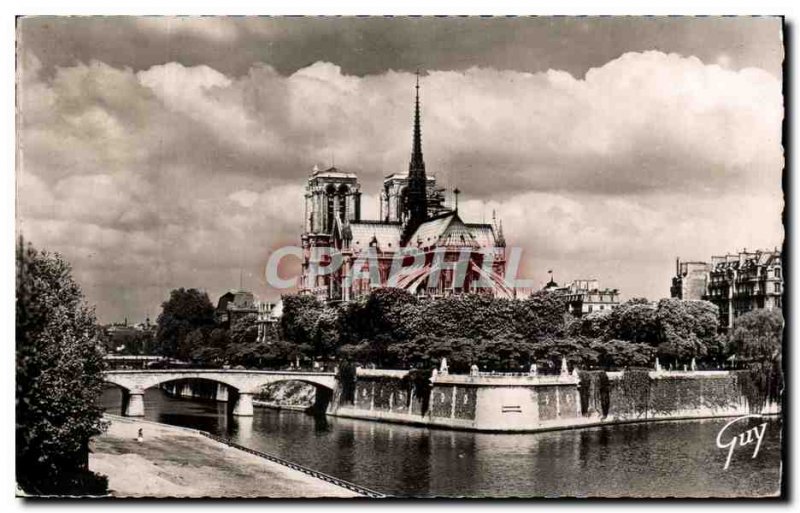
pixel 777 287
pixel 777 272
pixel 590 308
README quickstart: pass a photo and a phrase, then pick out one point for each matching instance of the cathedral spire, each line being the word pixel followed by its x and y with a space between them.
pixel 417 192
pixel 417 164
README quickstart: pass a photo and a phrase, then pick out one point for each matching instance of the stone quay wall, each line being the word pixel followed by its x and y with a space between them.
pixel 519 403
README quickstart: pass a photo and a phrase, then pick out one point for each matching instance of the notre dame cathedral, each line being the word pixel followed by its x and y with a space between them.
pixel 412 215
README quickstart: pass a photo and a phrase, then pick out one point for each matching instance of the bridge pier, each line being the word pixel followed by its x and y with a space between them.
pixel 244 405
pixel 133 404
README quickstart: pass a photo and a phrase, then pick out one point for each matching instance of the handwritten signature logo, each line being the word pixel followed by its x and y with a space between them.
pixel 754 434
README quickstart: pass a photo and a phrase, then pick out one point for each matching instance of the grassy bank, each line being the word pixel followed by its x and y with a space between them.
pixel 175 462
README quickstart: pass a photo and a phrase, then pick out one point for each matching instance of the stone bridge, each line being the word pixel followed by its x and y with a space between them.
pixel 242 383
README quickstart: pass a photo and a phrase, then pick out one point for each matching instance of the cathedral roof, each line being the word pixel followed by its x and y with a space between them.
pixel 332 172
pixel 449 230
pixel 387 235
pixel 484 234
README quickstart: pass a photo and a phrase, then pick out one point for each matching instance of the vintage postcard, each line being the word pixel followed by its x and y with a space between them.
pixel 400 257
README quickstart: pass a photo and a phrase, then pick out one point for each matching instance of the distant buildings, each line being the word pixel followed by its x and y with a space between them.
pixel 124 338
pixel 586 296
pixel 236 304
pixel 269 314
pixel 736 283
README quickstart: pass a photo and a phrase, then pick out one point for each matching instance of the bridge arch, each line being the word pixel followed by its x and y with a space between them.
pixel 242 384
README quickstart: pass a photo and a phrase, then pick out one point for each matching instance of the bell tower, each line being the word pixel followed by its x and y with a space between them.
pixel 332 197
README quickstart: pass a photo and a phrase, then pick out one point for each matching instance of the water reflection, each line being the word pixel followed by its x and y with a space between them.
pixel 657 459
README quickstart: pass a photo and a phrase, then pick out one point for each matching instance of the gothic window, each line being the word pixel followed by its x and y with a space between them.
pixel 330 191
pixel 342 198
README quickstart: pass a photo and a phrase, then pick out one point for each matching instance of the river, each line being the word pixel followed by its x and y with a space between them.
pixel 677 458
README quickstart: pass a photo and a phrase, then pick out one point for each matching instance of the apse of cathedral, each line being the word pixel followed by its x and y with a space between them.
pixel 459 257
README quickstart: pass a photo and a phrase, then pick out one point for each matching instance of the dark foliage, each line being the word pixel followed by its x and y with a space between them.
pixel 185 311
pixel 761 383
pixel 757 335
pixel 59 361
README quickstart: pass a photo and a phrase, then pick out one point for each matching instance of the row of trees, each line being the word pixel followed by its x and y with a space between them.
pixel 394 329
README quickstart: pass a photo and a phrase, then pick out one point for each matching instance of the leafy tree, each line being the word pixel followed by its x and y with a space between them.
pixel 300 314
pixel 327 332
pixel 362 352
pixel 540 316
pixel 506 354
pixel 244 330
pixel 280 353
pixel 549 352
pixel 427 353
pixel 386 311
pixel 635 321
pixel 59 378
pixel 757 335
pixel 687 329
pixel 593 325
pixel 184 312
pixel 622 353
pixel 475 316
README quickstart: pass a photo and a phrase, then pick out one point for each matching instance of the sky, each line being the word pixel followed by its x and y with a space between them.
pixel 156 153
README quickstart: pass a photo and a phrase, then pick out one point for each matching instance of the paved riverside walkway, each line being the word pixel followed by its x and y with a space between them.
pixel 176 462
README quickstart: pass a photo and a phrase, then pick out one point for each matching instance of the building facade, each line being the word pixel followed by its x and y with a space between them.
pixel 234 305
pixel 736 283
pixel 459 257
pixel 585 296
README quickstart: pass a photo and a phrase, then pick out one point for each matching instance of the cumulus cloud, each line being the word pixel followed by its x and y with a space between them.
pixel 181 175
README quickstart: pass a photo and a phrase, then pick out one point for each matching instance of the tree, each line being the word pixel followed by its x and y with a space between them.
pixel 687 329
pixel 635 321
pixel 622 353
pixel 549 352
pixel 385 311
pixel 540 316
pixel 757 335
pixel 327 332
pixel 244 330
pixel 213 351
pixel 596 324
pixel 59 378
pixel 244 348
pixel 300 314
pixel 184 312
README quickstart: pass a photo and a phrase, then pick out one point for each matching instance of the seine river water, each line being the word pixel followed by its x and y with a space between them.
pixel 672 459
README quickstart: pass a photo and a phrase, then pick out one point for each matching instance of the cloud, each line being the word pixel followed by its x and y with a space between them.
pixel 213 29
pixel 180 175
